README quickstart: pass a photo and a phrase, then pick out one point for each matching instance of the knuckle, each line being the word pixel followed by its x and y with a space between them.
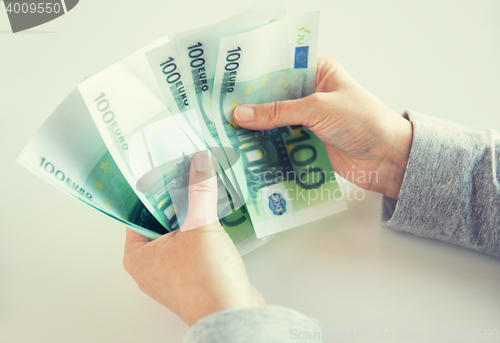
pixel 275 113
pixel 200 187
pixel 331 62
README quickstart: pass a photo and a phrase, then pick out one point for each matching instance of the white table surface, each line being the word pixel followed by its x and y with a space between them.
pixel 61 277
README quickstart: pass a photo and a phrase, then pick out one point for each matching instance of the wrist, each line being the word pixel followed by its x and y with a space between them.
pixel 393 153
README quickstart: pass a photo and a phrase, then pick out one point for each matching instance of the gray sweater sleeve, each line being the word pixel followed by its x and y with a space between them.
pixel 274 324
pixel 451 188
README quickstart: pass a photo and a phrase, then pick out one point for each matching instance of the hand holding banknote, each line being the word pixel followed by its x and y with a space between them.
pixel 367 142
pixel 196 270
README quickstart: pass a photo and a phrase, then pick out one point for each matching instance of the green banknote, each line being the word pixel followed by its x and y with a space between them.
pixel 125 103
pixel 198 51
pixel 286 171
pixel 165 66
pixel 68 152
pixel 164 62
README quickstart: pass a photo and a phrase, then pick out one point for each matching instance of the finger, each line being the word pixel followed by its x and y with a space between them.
pixel 202 198
pixel 134 240
pixel 277 114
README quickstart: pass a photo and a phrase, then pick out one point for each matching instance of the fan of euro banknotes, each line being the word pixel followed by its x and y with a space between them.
pixel 123 139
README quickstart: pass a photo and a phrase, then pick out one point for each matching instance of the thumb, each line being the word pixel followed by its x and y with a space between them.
pixel 276 114
pixel 202 193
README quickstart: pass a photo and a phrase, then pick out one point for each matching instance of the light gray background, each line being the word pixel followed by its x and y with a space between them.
pixel 61 278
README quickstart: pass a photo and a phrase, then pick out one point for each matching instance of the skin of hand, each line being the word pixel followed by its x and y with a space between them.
pixel 367 142
pixel 196 270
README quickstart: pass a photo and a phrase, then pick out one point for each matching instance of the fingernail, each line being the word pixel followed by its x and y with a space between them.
pixel 244 114
pixel 202 162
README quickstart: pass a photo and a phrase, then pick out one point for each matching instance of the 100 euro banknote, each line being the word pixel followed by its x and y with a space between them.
pixel 68 152
pixel 124 101
pixel 286 172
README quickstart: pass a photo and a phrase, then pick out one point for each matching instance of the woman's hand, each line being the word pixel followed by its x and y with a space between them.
pixel 196 270
pixel 367 142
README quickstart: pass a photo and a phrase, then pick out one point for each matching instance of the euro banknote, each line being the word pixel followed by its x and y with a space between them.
pixel 68 152
pixel 126 105
pixel 286 172
pixel 164 62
